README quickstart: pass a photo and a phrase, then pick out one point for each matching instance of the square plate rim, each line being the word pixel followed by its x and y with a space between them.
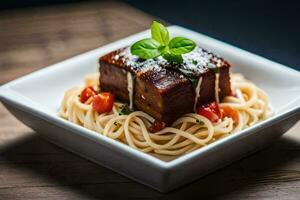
pixel 10 96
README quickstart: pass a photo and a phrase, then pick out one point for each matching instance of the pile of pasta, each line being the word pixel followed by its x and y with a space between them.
pixel 188 133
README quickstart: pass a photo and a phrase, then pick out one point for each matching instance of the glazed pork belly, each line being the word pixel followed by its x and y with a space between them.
pixel 162 89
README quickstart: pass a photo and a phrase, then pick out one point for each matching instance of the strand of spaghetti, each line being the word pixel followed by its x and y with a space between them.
pixel 200 134
pixel 173 153
pixel 186 134
pixel 146 133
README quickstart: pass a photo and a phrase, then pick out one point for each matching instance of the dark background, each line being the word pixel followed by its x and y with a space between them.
pixel 268 28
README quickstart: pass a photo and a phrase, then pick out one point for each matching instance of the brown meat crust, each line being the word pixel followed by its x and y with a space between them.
pixel 165 96
pixel 160 90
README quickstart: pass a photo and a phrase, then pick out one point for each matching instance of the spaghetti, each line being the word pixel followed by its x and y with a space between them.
pixel 188 133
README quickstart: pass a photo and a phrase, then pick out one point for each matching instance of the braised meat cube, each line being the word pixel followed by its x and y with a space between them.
pixel 165 90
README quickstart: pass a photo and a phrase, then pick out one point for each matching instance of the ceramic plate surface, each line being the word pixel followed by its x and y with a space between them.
pixel 35 99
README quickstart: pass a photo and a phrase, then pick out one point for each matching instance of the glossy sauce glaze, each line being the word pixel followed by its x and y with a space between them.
pixel 194 64
pixel 162 89
pixel 197 92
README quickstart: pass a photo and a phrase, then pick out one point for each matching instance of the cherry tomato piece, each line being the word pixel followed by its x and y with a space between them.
pixel 230 112
pixel 103 102
pixel 87 93
pixel 211 111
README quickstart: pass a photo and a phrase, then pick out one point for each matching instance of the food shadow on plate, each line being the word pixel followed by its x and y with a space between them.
pixel 36 163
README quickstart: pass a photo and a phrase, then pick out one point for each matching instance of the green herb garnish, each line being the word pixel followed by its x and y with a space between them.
pixel 125 110
pixel 160 45
pixel 199 122
pixel 193 79
pixel 213 67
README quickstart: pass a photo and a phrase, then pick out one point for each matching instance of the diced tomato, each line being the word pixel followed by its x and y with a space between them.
pixel 228 111
pixel 211 111
pixel 87 93
pixel 103 102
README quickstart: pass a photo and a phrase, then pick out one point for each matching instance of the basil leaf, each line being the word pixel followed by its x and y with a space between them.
pixel 180 45
pixel 160 33
pixel 172 57
pixel 146 48
pixel 160 44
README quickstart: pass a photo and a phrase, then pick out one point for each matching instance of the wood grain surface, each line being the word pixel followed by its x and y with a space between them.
pixel 31 168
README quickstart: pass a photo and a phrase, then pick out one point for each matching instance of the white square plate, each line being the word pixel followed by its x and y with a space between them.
pixel 35 100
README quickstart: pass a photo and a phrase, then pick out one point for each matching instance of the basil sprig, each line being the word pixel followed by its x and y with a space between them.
pixel 161 45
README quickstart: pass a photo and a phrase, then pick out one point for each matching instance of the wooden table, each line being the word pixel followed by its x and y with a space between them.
pixel 31 168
